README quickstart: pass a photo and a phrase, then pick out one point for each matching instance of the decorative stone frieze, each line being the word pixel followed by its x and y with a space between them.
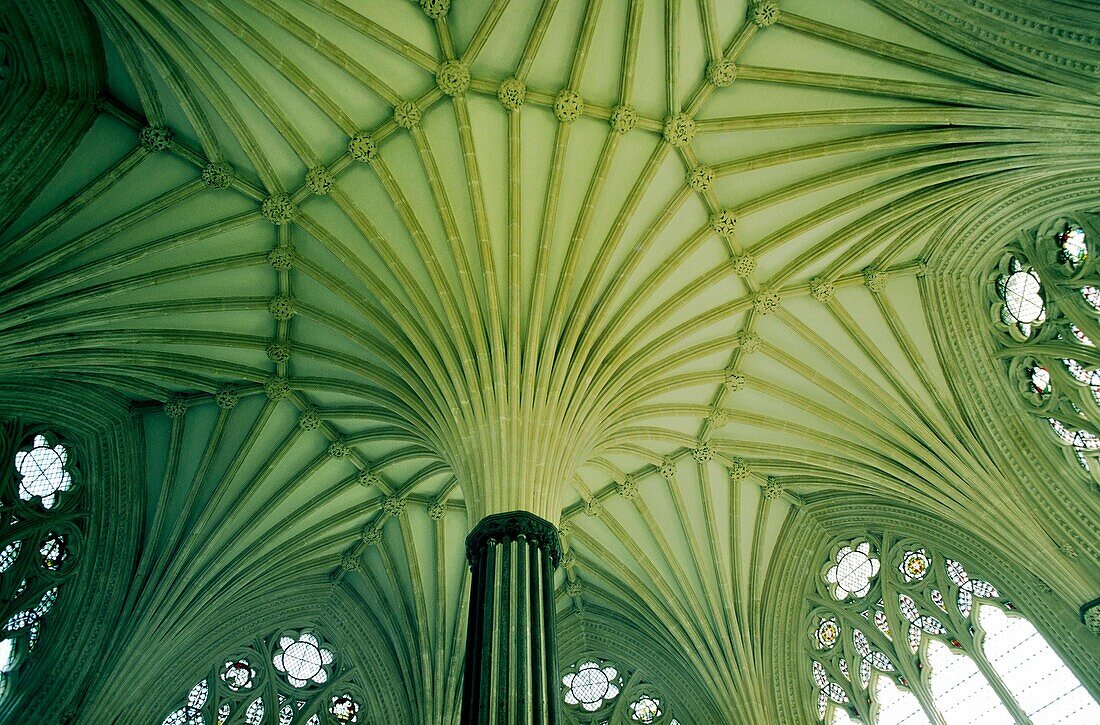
pixel 217 175
pixel 362 147
pixel 282 307
pixel 453 77
pixel 319 181
pixel 722 72
pixel 278 209
pixel 277 388
pixel 512 93
pixel 407 114
pixel 724 222
pixel 744 265
pixel 568 105
pixel 282 257
pixel 679 130
pixel 623 119
pixel 227 397
pixel 155 138
pixel 700 178
pixel 278 352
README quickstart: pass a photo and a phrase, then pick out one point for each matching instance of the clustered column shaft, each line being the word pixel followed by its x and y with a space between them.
pixel 511 665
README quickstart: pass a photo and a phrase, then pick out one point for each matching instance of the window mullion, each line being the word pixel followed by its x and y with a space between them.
pixel 974 649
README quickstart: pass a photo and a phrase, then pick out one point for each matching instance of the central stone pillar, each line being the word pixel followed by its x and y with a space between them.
pixel 511 660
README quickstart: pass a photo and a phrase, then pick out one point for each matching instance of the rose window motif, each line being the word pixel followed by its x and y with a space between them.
pixel 853 571
pixel 645 709
pixel 53 551
pixel 1021 291
pixel 828 632
pixel 42 471
pixel 238 675
pixel 914 565
pixel 344 708
pixel 591 685
pixel 303 661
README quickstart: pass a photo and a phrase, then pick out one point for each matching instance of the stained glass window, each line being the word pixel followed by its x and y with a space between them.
pixel 591 685
pixel 35 555
pixel 284 679
pixel 965 653
pixel 1045 294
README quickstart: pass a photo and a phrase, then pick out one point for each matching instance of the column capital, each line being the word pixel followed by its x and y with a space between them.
pixel 497 528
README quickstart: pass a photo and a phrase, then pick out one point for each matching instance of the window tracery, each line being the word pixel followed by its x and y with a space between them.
pixel 38 536
pixel 597 692
pixel 1046 297
pixel 295 674
pixel 925 640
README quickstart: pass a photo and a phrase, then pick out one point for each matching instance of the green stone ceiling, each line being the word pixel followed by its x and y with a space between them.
pixel 667 272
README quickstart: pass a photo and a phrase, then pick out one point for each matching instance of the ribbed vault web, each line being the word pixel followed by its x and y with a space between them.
pixel 652 269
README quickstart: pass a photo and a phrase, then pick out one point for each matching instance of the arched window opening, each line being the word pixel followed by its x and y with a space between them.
pixel 39 534
pixel 293 678
pixel 899 633
pixel 1044 297
pixel 597 692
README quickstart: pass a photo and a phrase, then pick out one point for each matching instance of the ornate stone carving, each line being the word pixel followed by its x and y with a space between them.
pixel 667 467
pixel 569 560
pixel 764 13
pixel 369 477
pixel 679 130
pixel 278 209
pixel 155 138
pixel 309 420
pixel 435 9
pixel 574 588
pixel 565 529
pixel 738 468
pixel 370 535
pixel 175 406
pixel 717 417
pixel 339 448
pixel 623 119
pixel 700 178
pixel 734 380
pixel 278 352
pixel 822 290
pixel 748 342
pixel 722 72
pixel 319 181
pixel 453 77
pixel 281 257
pixel 362 147
pixel 724 222
pixel 350 561
pixel 227 397
pixel 217 175
pixel 497 528
pixel 394 505
pixel 1067 550
pixel 277 388
pixel 766 302
pixel 702 452
pixel 628 487
pixel 407 114
pixel 436 511
pixel 282 307
pixel 512 93
pixel 744 265
pixel 593 507
pixel 1090 615
pixel 568 105
pixel 875 279
pixel 773 489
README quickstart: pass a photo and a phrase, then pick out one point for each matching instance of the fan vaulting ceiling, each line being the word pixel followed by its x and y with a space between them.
pixel 668 272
